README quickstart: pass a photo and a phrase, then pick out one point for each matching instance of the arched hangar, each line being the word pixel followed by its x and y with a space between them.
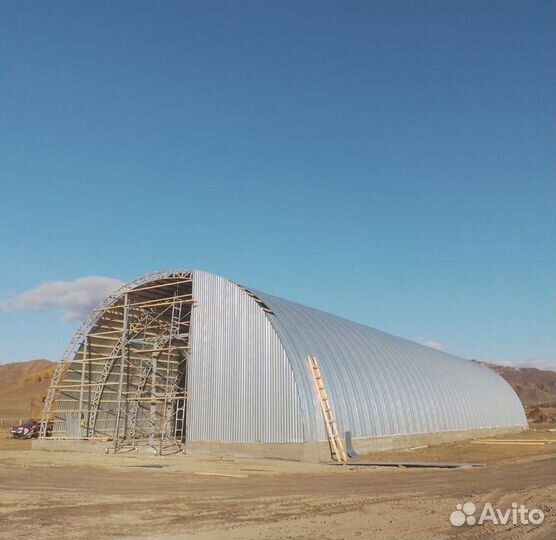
pixel 187 360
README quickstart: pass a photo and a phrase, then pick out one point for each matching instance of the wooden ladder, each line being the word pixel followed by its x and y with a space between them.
pixel 336 444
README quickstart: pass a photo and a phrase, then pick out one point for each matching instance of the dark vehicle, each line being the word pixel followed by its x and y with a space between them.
pixel 29 430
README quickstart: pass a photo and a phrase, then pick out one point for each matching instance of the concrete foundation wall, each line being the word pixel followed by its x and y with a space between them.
pixel 321 451
pixel 292 451
pixel 400 442
pixel 69 445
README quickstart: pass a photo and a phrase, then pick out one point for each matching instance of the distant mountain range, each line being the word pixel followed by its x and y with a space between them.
pixel 23 386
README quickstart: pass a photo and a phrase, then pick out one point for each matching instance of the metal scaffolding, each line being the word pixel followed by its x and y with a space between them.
pixel 124 377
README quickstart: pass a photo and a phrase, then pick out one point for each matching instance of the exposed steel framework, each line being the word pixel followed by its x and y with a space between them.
pixel 124 376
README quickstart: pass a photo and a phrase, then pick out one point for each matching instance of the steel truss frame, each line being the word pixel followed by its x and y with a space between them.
pixel 123 377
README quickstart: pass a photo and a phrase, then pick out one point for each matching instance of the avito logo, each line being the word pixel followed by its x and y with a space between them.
pixel 518 514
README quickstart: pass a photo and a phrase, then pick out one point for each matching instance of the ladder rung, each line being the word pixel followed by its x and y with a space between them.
pixel 336 444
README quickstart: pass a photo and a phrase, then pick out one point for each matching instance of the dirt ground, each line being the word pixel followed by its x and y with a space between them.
pixel 56 495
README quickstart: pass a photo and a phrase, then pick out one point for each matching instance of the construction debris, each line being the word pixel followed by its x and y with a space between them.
pixel 513 442
pixel 413 464
pixel 222 474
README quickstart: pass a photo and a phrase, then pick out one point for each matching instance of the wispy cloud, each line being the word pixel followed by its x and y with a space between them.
pixel 541 363
pixel 432 345
pixel 75 298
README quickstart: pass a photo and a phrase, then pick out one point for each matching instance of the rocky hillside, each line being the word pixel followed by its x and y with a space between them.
pixel 537 390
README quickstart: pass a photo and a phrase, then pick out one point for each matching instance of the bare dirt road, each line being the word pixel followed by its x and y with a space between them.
pixel 54 495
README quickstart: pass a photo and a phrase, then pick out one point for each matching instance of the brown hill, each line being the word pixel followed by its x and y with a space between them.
pixel 534 386
pixel 22 388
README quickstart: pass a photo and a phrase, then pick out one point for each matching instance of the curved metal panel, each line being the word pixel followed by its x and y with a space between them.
pixel 240 384
pixel 382 385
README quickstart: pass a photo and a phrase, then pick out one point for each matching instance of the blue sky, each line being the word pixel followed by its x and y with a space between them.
pixel 391 162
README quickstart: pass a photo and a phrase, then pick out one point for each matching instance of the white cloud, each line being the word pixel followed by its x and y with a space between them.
pixel 432 345
pixel 541 363
pixel 76 298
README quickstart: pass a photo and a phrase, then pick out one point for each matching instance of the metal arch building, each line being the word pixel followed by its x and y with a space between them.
pixel 187 359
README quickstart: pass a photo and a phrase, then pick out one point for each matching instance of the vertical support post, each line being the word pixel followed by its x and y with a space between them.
pixel 90 375
pixel 167 385
pixel 152 419
pixel 181 391
pixel 82 388
pixel 122 365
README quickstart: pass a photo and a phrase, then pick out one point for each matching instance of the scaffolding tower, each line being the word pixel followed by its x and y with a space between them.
pixel 124 377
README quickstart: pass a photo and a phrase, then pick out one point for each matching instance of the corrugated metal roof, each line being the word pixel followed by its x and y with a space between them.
pixel 249 379
pixel 382 385
pixel 240 384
